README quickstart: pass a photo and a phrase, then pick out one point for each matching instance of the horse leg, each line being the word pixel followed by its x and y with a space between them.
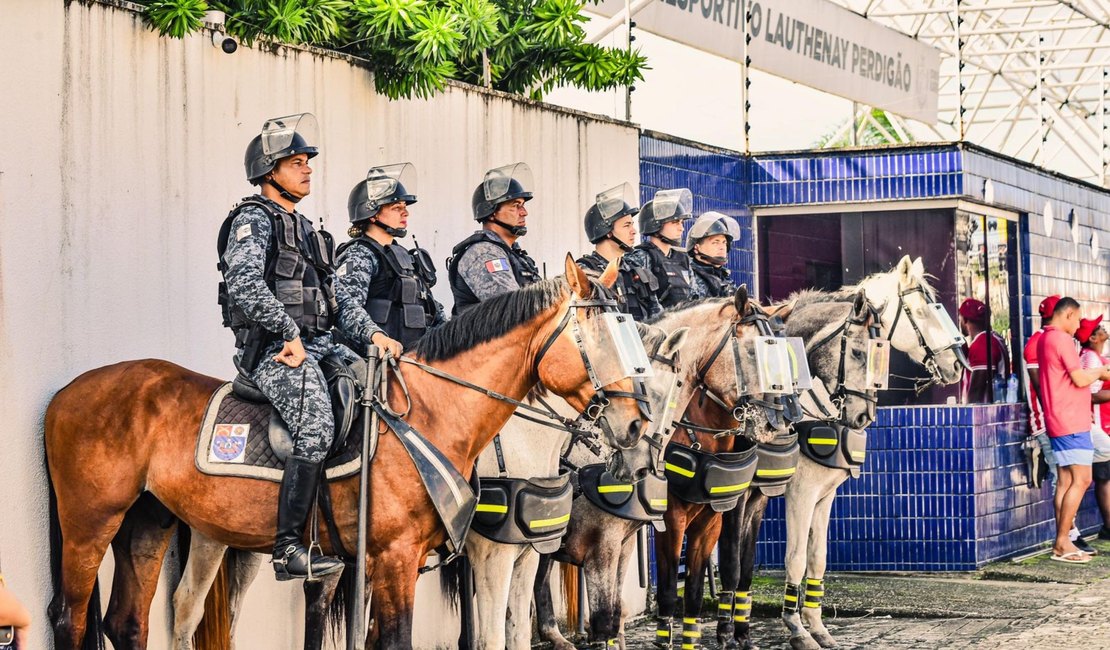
pixel 545 606
pixel 518 624
pixel 205 558
pixel 493 569
pixel 668 549
pixel 815 572
pixel 394 595
pixel 244 569
pixel 801 500
pixel 701 537
pixel 318 595
pixel 628 548
pixel 742 604
pixel 728 550
pixel 603 591
pixel 139 548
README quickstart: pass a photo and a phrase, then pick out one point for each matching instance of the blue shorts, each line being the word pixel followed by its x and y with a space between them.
pixel 1074 449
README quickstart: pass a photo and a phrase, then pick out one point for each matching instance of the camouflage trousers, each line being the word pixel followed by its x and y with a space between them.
pixel 300 396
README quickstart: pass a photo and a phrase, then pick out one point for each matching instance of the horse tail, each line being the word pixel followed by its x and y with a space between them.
pixel 570 592
pixel 94 620
pixel 335 620
pixel 451 579
pixel 214 630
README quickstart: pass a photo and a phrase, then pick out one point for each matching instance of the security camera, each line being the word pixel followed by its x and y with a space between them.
pixel 224 42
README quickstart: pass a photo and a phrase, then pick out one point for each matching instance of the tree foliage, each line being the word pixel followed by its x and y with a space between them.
pixel 414 46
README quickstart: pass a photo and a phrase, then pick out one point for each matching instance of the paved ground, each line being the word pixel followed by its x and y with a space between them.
pixel 1036 603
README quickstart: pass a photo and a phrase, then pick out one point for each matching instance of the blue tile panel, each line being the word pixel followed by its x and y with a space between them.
pixel 717 182
pixel 825 177
pixel 943 489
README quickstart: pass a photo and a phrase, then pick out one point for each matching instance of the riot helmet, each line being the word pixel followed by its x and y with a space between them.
pixel 383 185
pixel 665 206
pixel 709 224
pixel 503 184
pixel 281 138
pixel 608 207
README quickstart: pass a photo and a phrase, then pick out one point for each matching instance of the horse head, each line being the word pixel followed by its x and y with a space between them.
pixel 917 328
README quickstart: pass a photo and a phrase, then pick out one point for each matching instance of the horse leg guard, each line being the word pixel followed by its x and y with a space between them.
pixel 691 634
pixel 811 613
pixel 724 620
pixel 663 628
pixel 741 619
pixel 295 500
pixel 800 639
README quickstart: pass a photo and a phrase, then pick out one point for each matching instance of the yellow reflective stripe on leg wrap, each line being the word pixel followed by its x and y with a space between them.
pixel 817 594
pixel 689 621
pixel 740 619
pixel 666 633
pixel 814 583
pixel 814 590
pixel 790 599
pixel 611 643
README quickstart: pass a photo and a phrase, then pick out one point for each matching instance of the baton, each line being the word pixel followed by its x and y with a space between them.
pixel 642 555
pixel 356 624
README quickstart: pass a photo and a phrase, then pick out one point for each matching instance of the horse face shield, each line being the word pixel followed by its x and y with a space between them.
pixel 622 354
pixel 872 358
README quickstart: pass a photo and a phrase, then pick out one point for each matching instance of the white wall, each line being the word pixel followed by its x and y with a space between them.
pixel 121 155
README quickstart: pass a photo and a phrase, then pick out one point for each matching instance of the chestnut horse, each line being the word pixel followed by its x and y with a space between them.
pixel 120 430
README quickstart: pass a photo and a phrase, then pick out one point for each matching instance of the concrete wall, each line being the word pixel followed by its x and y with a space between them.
pixel 123 153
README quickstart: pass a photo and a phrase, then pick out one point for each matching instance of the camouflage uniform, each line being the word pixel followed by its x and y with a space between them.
pixel 639 256
pixel 711 281
pixel 488 268
pixel 352 282
pixel 299 394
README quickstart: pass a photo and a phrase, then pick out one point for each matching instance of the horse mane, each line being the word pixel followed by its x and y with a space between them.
pixel 490 319
pixel 848 292
pixel 686 306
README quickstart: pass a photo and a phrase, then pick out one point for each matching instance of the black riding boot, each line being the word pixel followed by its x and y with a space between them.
pixel 298 493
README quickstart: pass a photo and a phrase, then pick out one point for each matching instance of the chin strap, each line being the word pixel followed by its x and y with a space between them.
pixel 392 232
pixel 668 240
pixel 711 259
pixel 517 231
pixel 623 246
pixel 282 191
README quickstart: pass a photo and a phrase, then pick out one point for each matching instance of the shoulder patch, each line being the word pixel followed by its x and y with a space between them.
pixel 342 270
pixel 243 231
pixel 499 264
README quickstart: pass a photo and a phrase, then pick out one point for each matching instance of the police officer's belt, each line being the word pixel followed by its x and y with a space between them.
pixel 833 445
pixel 719 480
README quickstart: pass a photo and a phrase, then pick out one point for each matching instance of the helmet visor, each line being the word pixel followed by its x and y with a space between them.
pixel 615 202
pixel 391 183
pixel 508 182
pixel 672 204
pixel 280 133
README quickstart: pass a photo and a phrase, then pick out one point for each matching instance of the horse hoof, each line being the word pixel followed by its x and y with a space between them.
pixel 803 643
pixel 824 639
pixel 728 644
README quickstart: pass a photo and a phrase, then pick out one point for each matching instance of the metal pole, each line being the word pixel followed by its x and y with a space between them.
pixel 642 555
pixel 581 601
pixel 630 38
pixel 745 79
pixel 1104 150
pixel 956 22
pixel 356 623
pixel 1042 132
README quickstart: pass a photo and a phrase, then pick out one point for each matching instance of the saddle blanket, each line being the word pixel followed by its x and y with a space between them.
pixel 235 440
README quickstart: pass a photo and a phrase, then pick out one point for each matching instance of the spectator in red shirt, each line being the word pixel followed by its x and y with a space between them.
pixel 1066 397
pixel 1093 337
pixel 986 361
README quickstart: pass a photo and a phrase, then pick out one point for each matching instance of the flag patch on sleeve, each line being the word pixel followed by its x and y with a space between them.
pixel 499 264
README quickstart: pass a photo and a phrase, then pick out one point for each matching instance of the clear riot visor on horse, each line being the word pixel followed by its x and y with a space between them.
pixel 623 355
pixel 781 365
pixel 280 133
pixel 939 330
pixel 876 356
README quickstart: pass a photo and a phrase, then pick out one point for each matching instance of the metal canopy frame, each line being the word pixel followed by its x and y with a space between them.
pixel 1027 78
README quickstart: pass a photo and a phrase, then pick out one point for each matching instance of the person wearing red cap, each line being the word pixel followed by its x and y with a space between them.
pixel 1066 397
pixel 985 363
pixel 1092 336
pixel 1033 386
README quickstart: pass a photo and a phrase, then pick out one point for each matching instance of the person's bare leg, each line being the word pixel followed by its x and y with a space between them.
pixel 1074 481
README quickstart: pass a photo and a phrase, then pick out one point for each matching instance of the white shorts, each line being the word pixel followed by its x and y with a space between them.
pixel 1101 441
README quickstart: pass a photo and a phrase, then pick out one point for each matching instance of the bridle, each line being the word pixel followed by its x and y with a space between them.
pixel 872 320
pixel 931 354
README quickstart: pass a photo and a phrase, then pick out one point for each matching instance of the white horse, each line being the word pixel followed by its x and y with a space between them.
pixel 903 296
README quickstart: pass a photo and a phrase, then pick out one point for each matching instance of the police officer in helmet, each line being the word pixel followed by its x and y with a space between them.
pixel 611 228
pixel 491 262
pixel 661 220
pixel 708 244
pixel 382 286
pixel 278 298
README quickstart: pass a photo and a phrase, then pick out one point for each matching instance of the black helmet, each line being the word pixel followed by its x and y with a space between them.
pixel 383 185
pixel 281 137
pixel 608 207
pixel 500 185
pixel 666 205
pixel 713 223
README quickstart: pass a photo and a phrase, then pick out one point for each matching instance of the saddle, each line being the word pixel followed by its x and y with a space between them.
pixel 243 435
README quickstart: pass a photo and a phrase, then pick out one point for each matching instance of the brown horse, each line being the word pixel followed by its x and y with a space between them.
pixel 118 431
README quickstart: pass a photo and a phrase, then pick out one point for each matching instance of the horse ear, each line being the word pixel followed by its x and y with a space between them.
pixel 576 278
pixel 918 268
pixel 741 300
pixel 904 268
pixel 674 342
pixel 609 276
pixel 783 311
pixel 861 310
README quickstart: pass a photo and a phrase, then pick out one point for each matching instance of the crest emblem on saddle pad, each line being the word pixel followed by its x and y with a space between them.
pixel 229 443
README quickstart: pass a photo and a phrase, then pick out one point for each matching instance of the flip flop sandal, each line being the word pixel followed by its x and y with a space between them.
pixel 1074 557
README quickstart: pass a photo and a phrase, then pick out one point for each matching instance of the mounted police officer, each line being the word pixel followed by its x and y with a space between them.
pixel 611 228
pixel 491 262
pixel 385 288
pixel 278 298
pixel 661 220
pixel 708 244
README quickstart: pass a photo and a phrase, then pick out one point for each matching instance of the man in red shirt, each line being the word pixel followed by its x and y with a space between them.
pixel 985 354
pixel 1066 397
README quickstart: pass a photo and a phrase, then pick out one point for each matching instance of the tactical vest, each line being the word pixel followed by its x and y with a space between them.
pixel 672 273
pixel 397 299
pixel 524 268
pixel 716 278
pixel 643 500
pixel 634 286
pixel 833 445
pixel 299 268
pixel 525 511
pixel 720 480
pixel 778 460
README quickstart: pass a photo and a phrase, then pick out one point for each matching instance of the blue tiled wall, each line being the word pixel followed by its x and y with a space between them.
pixel 943 489
pixel 715 177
